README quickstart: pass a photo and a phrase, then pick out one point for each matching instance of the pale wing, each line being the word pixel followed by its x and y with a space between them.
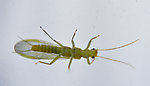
pixel 24 49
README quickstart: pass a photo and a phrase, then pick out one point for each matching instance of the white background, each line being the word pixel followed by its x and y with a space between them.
pixel 118 21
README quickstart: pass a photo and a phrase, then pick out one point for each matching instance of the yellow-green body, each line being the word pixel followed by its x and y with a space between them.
pixel 64 51
pixel 38 49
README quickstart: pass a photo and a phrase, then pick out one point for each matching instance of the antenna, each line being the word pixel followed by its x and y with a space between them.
pixel 119 46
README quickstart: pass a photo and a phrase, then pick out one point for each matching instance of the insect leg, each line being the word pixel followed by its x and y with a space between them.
pixel 88 61
pixel 73 45
pixel 50 62
pixel 91 41
pixel 42 62
pixel 70 62
pixel 51 37
pixel 54 60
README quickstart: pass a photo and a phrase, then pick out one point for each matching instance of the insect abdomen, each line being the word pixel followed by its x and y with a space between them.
pixel 46 49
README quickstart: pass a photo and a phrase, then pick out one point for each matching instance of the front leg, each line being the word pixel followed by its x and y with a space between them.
pixel 91 41
pixel 88 61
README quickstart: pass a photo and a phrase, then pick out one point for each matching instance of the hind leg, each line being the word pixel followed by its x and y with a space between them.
pixel 50 62
pixel 51 37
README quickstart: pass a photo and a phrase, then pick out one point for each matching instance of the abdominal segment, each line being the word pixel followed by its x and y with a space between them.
pixel 46 49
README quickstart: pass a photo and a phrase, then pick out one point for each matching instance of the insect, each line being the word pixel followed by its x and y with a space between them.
pixel 39 49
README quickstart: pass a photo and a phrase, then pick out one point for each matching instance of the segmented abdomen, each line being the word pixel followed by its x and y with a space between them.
pixel 46 49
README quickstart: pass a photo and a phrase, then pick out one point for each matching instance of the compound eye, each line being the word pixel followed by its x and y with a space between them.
pixel 93 57
pixel 93 49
